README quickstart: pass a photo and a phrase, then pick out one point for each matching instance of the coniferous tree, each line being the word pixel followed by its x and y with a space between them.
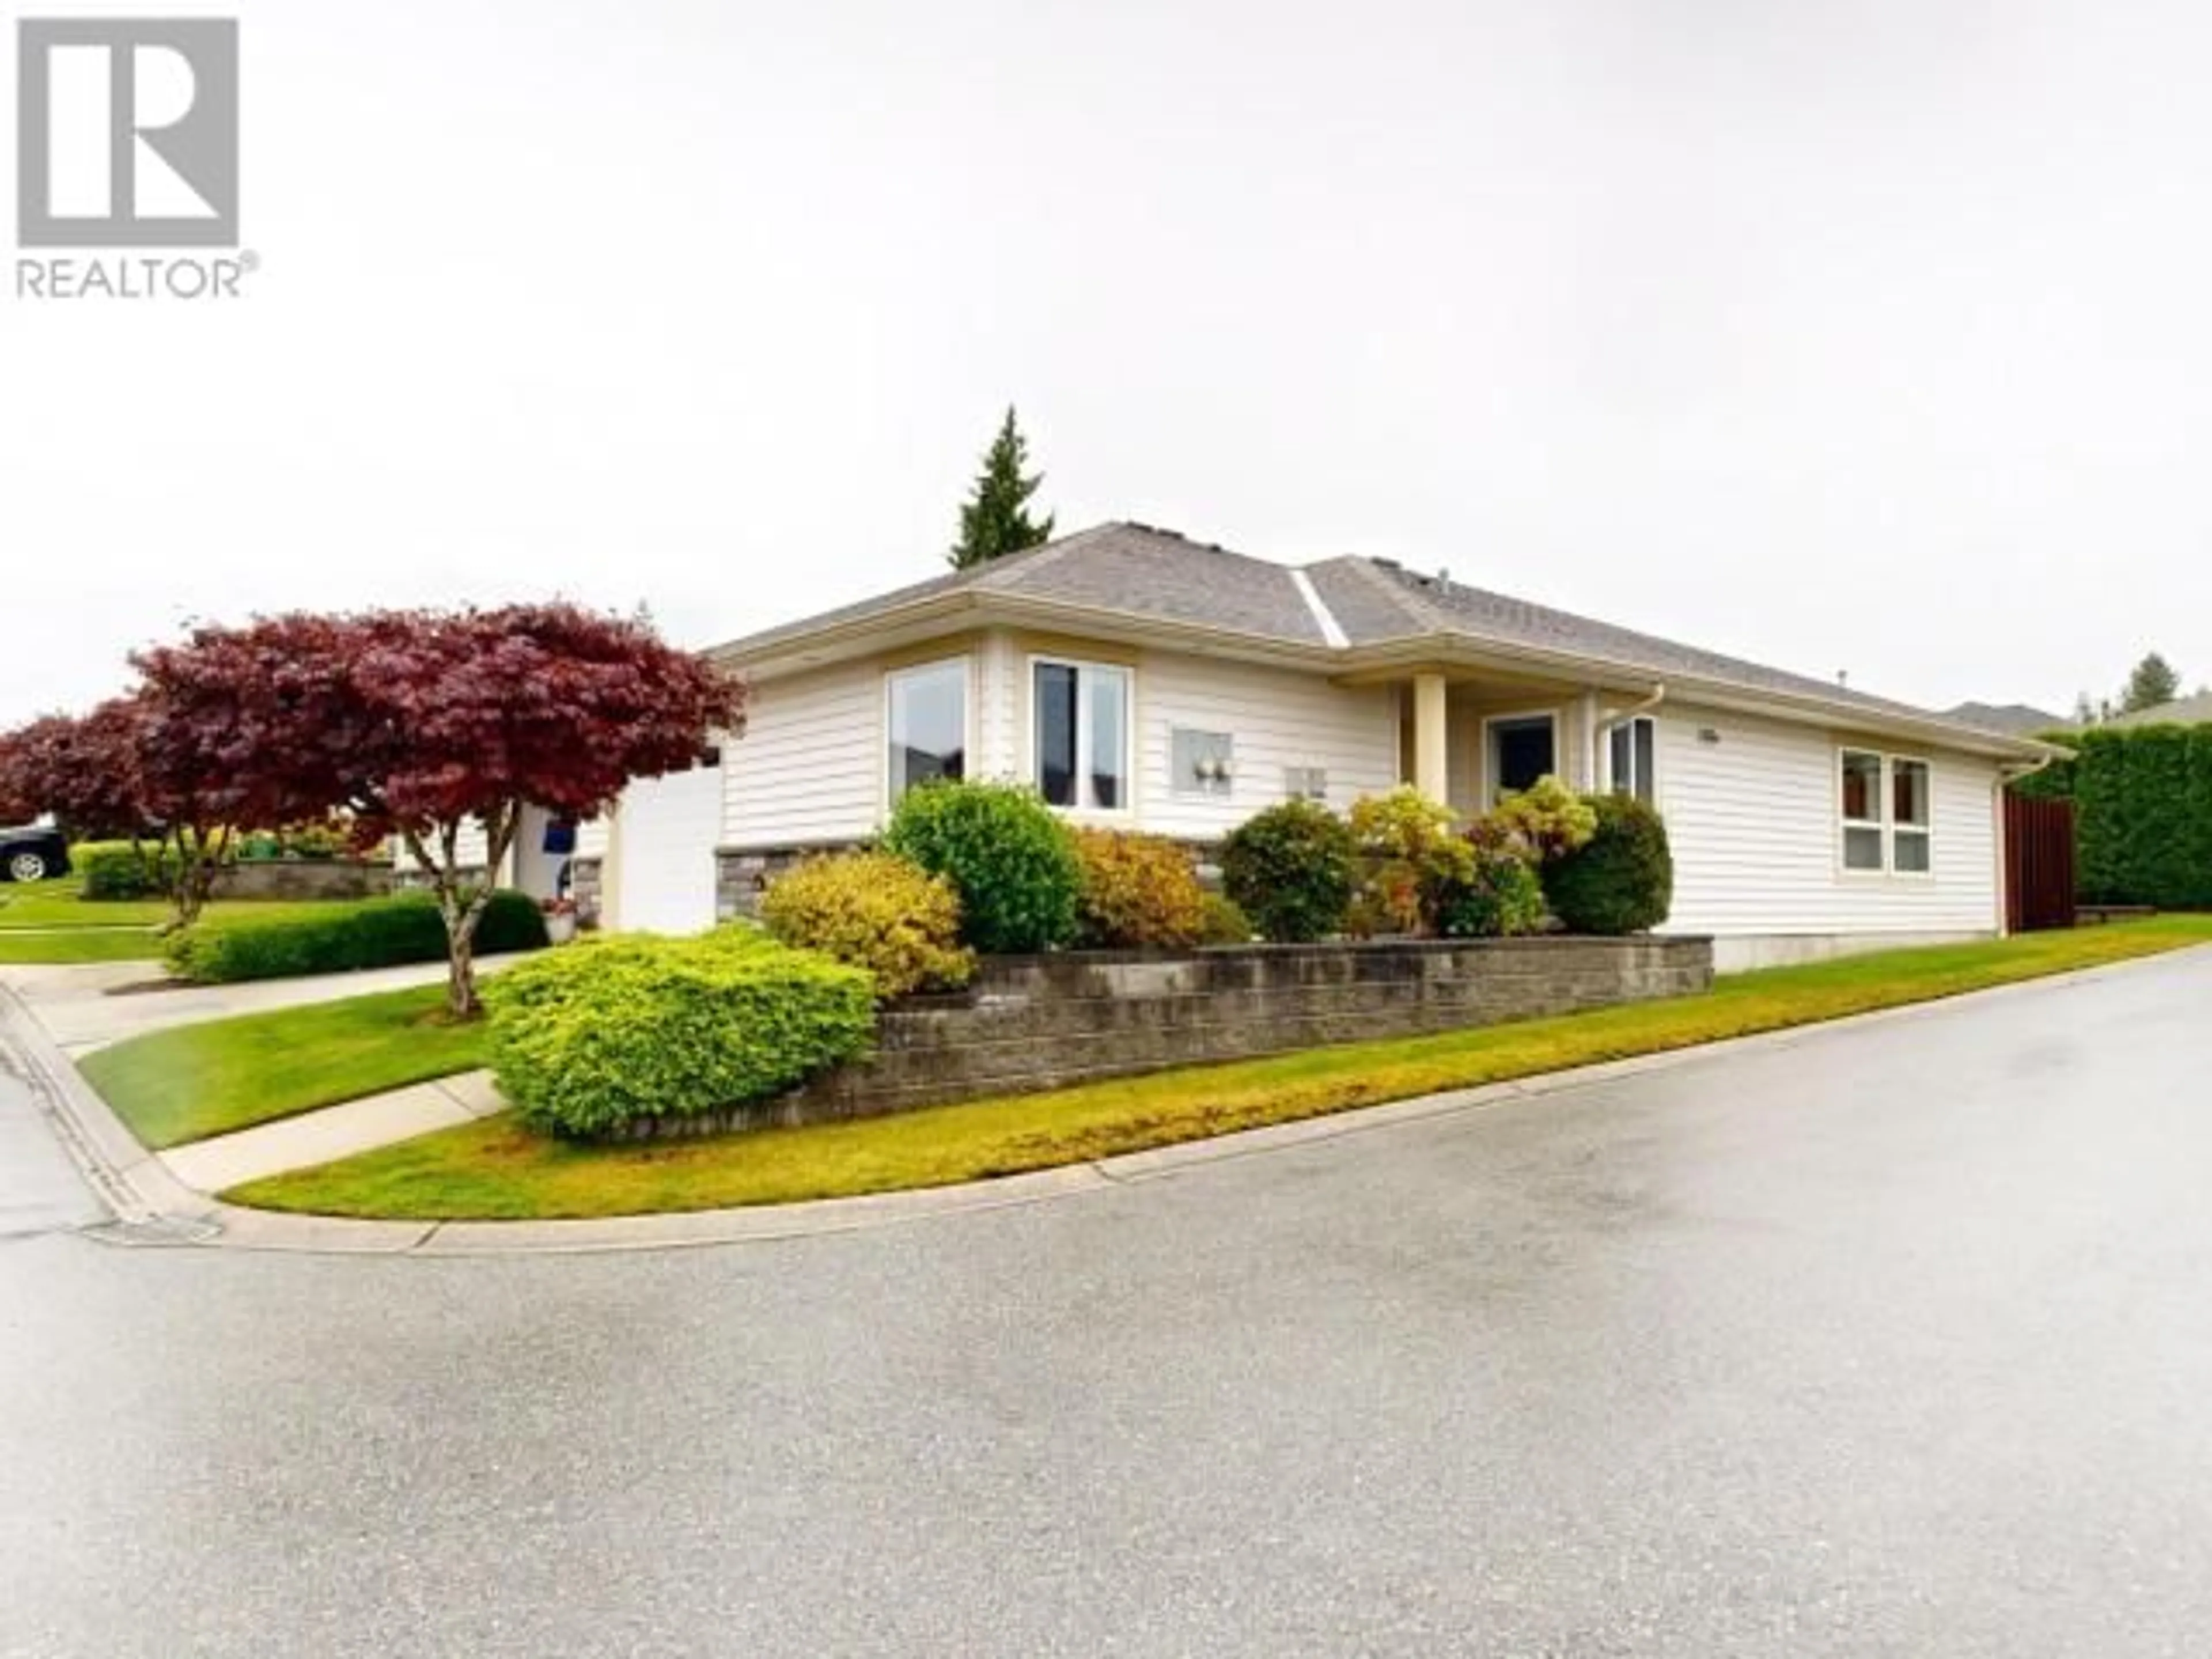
pixel 995 520
pixel 2153 683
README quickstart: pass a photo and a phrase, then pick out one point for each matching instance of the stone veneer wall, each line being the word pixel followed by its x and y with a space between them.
pixel 741 875
pixel 1034 1022
pixel 303 878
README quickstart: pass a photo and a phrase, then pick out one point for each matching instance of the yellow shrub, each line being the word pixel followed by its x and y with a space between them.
pixel 1138 891
pixel 876 911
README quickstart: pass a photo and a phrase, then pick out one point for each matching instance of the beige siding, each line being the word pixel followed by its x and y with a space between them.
pixel 591 838
pixel 811 765
pixel 999 668
pixel 1754 822
pixel 1278 719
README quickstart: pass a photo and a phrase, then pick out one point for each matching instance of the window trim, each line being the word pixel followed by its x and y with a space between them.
pixel 1492 791
pixel 1083 668
pixel 1886 807
pixel 1611 784
pixel 888 802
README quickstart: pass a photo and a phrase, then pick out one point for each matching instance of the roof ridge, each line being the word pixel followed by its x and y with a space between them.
pixel 1376 572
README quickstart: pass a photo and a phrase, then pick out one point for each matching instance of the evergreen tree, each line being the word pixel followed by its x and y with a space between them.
pixel 995 520
pixel 2153 683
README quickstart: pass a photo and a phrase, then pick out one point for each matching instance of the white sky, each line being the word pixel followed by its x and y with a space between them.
pixel 1872 336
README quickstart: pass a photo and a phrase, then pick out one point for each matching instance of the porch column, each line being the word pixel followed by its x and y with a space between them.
pixel 1432 742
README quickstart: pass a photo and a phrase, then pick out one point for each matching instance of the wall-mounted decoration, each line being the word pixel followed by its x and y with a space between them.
pixel 1203 762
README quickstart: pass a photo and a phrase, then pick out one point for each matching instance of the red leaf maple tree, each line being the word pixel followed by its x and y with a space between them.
pixel 419 723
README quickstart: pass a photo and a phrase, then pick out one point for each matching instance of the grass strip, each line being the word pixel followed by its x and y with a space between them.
pixel 496 1168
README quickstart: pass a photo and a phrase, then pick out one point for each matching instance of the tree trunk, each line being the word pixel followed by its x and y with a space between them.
pixel 463 905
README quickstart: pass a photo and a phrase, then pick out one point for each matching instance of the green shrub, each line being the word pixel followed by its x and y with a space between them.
pixel 118 870
pixel 334 939
pixel 1546 821
pixel 1412 855
pixel 877 911
pixel 1138 891
pixel 1500 897
pixel 1221 922
pixel 1292 868
pixel 588 1041
pixel 1620 881
pixel 1013 861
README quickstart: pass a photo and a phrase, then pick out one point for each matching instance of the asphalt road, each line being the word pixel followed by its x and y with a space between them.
pixel 1896 1341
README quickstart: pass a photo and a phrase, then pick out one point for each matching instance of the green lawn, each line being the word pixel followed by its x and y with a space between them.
pixel 52 921
pixel 207 1080
pixel 496 1168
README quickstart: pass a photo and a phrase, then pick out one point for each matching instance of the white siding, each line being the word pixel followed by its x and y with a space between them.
pixel 811 765
pixel 1752 820
pixel 1000 669
pixel 1279 718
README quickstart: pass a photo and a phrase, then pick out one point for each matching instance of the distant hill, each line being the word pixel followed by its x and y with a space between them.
pixel 2016 719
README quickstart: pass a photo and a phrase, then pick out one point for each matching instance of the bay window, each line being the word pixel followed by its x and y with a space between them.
pixel 1080 717
pixel 927 718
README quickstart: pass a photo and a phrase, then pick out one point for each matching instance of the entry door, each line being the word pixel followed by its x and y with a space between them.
pixel 665 841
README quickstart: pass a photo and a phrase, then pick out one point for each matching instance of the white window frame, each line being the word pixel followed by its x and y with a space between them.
pixel 885 783
pixel 1492 787
pixel 1649 796
pixel 1885 822
pixel 1086 670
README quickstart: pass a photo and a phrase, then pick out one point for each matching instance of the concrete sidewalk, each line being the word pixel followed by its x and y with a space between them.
pixel 335 1132
pixel 86 1007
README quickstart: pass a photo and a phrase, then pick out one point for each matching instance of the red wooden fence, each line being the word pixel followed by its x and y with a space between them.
pixel 2038 864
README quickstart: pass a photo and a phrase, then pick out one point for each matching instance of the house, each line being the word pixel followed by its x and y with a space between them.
pixel 1139 678
pixel 2019 719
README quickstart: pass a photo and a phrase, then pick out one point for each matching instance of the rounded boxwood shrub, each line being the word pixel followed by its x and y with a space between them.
pixel 1291 869
pixel 1013 861
pixel 590 1042
pixel 1138 891
pixel 337 938
pixel 1499 897
pixel 877 911
pixel 1621 880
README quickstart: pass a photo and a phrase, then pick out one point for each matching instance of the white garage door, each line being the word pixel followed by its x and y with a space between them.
pixel 664 854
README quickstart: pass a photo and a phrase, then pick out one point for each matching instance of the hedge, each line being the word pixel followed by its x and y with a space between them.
pixel 334 939
pixel 115 870
pixel 590 1041
pixel 2142 802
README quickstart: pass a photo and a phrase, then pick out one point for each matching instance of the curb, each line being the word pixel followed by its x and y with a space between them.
pixel 141 1193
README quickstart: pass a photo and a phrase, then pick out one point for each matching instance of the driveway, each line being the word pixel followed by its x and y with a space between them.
pixel 1896 1341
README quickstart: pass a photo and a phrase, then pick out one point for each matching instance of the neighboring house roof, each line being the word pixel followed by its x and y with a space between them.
pixel 2187 711
pixel 1377 613
pixel 2019 719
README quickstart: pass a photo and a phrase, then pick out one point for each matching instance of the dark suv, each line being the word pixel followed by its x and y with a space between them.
pixel 33 854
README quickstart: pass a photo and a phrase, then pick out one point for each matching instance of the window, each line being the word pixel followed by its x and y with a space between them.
pixel 1523 748
pixel 1862 811
pixel 1908 816
pixel 1080 714
pixel 1888 814
pixel 1633 760
pixel 928 725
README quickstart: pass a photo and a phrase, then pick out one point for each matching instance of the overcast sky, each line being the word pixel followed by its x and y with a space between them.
pixel 1864 336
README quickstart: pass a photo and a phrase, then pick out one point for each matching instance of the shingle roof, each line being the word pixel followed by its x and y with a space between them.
pixel 1134 570
pixel 2186 711
pixel 1129 568
pixel 2014 719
